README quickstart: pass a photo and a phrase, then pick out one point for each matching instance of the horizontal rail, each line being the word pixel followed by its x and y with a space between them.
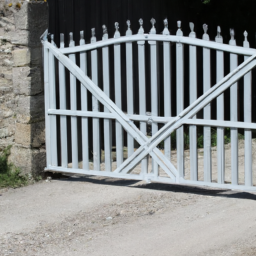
pixel 163 38
pixel 142 118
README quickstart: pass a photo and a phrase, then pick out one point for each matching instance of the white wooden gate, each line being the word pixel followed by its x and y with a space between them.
pixel 71 122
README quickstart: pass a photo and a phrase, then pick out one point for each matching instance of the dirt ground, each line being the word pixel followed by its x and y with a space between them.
pixel 98 216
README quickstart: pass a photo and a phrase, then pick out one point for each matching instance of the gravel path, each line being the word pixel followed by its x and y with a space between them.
pixel 95 216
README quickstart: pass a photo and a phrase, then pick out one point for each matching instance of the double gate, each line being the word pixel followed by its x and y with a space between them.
pixel 86 84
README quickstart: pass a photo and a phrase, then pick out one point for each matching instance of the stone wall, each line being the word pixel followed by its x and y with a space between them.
pixel 21 83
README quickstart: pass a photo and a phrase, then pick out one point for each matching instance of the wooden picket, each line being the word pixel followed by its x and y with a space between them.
pixel 148 140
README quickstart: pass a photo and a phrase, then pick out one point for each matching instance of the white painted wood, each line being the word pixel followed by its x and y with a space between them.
pixel 207 110
pixel 107 122
pixel 84 107
pixel 167 86
pixel 180 100
pixel 118 98
pixel 161 38
pixel 220 112
pixel 95 108
pixel 233 114
pixel 52 104
pixel 47 105
pixel 142 92
pixel 247 118
pixel 154 87
pixel 129 86
pixel 63 106
pixel 193 98
pixel 149 145
pixel 73 104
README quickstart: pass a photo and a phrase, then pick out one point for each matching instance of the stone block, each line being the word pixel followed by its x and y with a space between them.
pixel 19 37
pixel 30 135
pixel 28 160
pixel 30 109
pixel 21 57
pixel 27 81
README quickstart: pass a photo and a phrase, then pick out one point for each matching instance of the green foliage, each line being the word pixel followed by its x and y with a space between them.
pixel 10 176
pixel 206 1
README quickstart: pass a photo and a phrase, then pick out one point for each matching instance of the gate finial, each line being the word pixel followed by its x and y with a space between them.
pixel 219 38
pixel 153 29
pixel 179 31
pixel 52 39
pixel 205 35
pixel 93 38
pixel 105 32
pixel 192 33
pixel 82 41
pixel 232 40
pixel 71 40
pixel 117 33
pixel 129 31
pixel 166 30
pixel 141 30
pixel 62 43
pixel 246 43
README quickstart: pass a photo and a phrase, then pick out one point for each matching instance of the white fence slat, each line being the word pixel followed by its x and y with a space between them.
pixel 118 99
pixel 220 113
pixel 192 98
pixel 107 122
pixel 63 106
pixel 207 110
pixel 167 87
pixel 73 104
pixel 154 87
pixel 95 108
pixel 47 106
pixel 180 101
pixel 233 114
pixel 129 87
pixel 142 92
pixel 84 107
pixel 53 119
pixel 247 118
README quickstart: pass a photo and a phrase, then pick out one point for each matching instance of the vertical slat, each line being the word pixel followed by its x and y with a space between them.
pixel 220 113
pixel 53 119
pixel 207 110
pixel 63 119
pixel 129 86
pixel 47 106
pixel 73 104
pixel 248 119
pixel 154 88
pixel 118 98
pixel 84 107
pixel 233 115
pixel 180 101
pixel 142 91
pixel 167 87
pixel 192 98
pixel 107 122
pixel 95 108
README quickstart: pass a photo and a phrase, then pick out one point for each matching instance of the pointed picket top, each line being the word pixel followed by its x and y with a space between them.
pixel 52 38
pixel 166 30
pixel 153 29
pixel 246 43
pixel 129 31
pixel 82 41
pixel 62 43
pixel 192 27
pixel 117 33
pixel 93 38
pixel 71 40
pixel 205 35
pixel 232 40
pixel 179 31
pixel 141 30
pixel 105 33
pixel 219 38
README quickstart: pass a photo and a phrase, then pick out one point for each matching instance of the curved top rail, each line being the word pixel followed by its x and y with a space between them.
pixel 163 38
